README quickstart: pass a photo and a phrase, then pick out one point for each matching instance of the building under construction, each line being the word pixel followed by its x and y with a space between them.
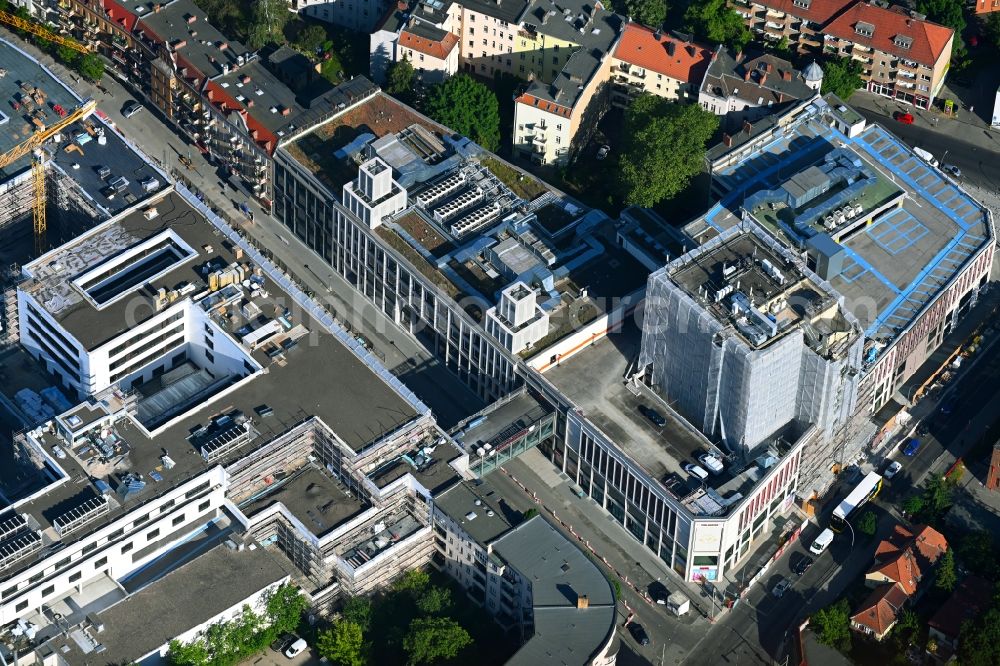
pixel 84 172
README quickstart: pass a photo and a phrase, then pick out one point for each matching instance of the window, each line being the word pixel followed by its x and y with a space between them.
pixel 141 520
pixel 559 126
pixel 127 547
pixel 152 534
pixel 472 31
pixel 177 520
pixel 37 577
pixel 89 548
pixel 75 577
pixel 46 591
pixel 167 505
pixel 100 563
pixel 21 606
pixel 204 506
pixel 9 592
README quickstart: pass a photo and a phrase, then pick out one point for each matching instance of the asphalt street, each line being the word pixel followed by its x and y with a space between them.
pixel 979 162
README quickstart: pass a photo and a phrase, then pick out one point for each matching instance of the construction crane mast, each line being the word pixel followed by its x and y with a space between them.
pixel 34 144
pixel 40 31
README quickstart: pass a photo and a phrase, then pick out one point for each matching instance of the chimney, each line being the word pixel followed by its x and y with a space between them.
pixel 747 126
pixel 191 18
pixel 582 601
pixel 769 67
pixel 763 77
pixel 727 140
pixel 786 75
pixel 285 111
pixel 739 57
pixel 746 74
pixel 781 97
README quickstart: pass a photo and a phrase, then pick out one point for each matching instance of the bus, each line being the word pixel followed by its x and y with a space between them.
pixel 864 491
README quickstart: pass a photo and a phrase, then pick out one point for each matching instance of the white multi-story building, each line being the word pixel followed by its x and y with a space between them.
pixel 374 195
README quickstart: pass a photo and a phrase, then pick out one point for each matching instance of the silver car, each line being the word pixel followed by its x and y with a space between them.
pixel 779 590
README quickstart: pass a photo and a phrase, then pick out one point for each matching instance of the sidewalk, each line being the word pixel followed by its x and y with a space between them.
pixel 963 125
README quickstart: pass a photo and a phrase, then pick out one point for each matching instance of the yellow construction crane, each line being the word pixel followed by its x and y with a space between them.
pixel 40 31
pixel 34 143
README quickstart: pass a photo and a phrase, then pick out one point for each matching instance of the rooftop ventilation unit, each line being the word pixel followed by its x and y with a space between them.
pixel 477 219
pixel 463 201
pixel 442 189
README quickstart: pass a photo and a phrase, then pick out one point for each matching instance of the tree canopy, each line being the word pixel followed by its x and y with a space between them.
pixel 842 76
pixel 979 642
pixel 649 12
pixel 359 611
pixel 433 638
pixel 716 21
pixel 92 67
pixel 468 107
pixel 310 38
pixel 945 577
pixel 343 644
pixel 833 625
pixel 665 148
pixel 267 22
pixel 991 28
pixel 399 80
pixel 949 13
pixel 868 523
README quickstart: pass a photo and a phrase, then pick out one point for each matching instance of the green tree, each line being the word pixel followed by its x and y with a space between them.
pixel 310 38
pixel 977 550
pixel 715 21
pixel 67 56
pixel 399 79
pixel 991 28
pixel 945 578
pixel 188 654
pixel 907 625
pixel 842 76
pixel 414 581
pixel 359 611
pixel 433 638
pixel 833 625
pixel 435 601
pixel 284 608
pixel 979 642
pixel 529 514
pixel 868 523
pixel 649 12
pixel 467 107
pixel 343 644
pixel 914 505
pixel 268 21
pixel 91 67
pixel 665 148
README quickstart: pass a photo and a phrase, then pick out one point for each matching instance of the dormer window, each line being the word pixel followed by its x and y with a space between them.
pixel 864 29
pixel 802 4
pixel 903 41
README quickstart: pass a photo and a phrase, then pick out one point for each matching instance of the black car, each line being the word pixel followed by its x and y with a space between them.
pixel 801 565
pixel 658 592
pixel 654 416
pixel 638 633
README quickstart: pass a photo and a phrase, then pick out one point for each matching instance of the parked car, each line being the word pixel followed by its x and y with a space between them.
pixel 654 416
pixel 638 633
pixel 801 564
pixel 658 592
pixel 696 471
pixel 603 151
pixel 892 470
pixel 822 542
pixel 131 108
pixel 905 118
pixel 911 447
pixel 952 169
pixel 711 462
pixel 779 590
pixel 296 648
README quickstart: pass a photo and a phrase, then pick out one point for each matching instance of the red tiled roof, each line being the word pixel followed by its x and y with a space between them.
pixel 878 611
pixel 439 50
pixel 641 47
pixel 930 40
pixel 902 568
pixel 971 598
pixel 223 101
pixel 907 552
pixel 119 15
pixel 545 105
pixel 819 11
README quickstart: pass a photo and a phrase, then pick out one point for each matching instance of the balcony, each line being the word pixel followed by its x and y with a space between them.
pixel 538 140
pixel 771 25
pixel 774 13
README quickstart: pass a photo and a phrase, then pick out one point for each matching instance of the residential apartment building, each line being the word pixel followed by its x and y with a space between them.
pixel 745 86
pixel 668 65
pixel 357 15
pixel 987 6
pixel 903 55
pixel 528 576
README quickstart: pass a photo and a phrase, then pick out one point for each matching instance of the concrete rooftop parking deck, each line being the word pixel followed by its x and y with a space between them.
pixel 594 380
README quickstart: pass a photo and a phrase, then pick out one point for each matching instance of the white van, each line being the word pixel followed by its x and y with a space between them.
pixel 822 542
pixel 926 156
pixel 712 462
pixel 296 648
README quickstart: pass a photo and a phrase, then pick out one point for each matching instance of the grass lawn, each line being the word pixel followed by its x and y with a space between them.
pixel 525 187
